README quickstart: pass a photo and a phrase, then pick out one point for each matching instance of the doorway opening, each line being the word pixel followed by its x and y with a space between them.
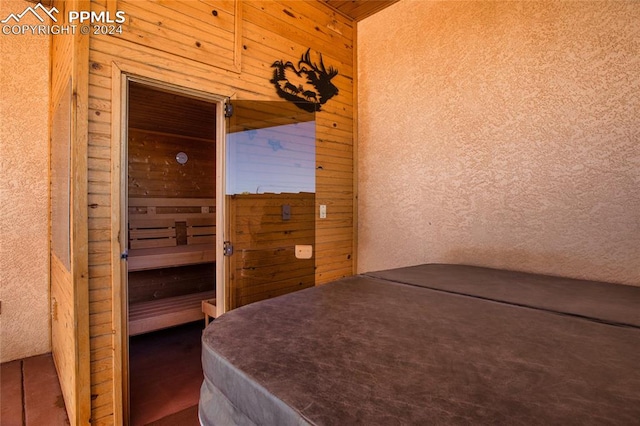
pixel 217 205
pixel 171 240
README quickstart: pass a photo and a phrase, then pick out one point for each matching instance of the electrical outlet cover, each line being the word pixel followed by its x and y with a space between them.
pixel 304 251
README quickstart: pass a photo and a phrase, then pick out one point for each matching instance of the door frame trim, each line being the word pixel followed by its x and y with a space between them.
pixel 122 74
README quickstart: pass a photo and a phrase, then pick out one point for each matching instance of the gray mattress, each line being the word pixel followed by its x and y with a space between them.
pixel 430 344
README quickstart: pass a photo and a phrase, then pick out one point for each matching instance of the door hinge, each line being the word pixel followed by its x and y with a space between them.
pixel 227 248
pixel 124 255
pixel 228 109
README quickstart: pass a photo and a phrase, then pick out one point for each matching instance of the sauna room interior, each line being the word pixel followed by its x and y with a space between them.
pixel 213 154
pixel 171 192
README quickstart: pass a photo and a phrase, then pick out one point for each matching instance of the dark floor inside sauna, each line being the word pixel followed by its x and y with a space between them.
pixel 165 373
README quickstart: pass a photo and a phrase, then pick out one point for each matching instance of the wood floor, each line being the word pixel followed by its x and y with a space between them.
pixel 166 374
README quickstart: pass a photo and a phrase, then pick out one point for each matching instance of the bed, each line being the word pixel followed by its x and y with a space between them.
pixel 428 344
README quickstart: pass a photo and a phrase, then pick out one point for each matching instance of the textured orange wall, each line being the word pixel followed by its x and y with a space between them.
pixel 24 247
pixel 502 134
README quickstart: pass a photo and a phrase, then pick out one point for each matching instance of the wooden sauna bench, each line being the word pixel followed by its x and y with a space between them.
pixel 166 233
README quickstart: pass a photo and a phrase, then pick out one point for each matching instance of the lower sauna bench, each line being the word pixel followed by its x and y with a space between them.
pixel 157 314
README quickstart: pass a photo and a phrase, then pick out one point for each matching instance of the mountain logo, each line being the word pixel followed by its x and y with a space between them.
pixel 308 85
pixel 35 10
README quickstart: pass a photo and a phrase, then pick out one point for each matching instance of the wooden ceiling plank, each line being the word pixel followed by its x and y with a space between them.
pixel 358 9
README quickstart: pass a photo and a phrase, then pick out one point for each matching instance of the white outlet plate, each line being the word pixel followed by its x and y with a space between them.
pixel 304 251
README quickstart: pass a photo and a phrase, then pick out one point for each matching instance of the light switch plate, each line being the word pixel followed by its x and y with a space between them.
pixel 323 211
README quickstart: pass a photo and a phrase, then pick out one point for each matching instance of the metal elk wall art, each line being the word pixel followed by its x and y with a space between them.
pixel 308 85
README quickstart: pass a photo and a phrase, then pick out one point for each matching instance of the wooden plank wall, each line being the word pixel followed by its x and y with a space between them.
pixel 154 284
pixel 62 334
pixel 228 53
pixel 264 263
pixel 154 172
pixel 69 296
